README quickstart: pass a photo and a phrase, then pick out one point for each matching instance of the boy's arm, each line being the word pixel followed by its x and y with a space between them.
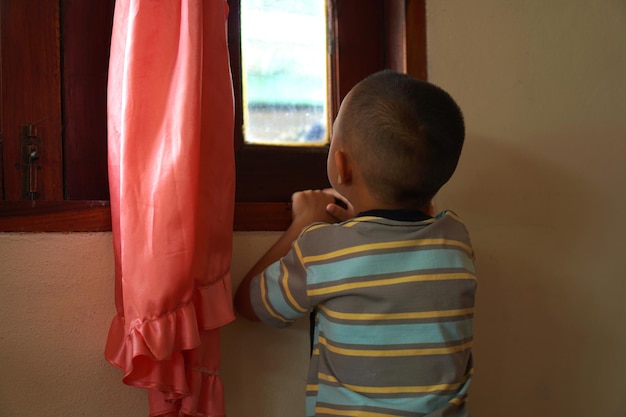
pixel 277 251
pixel 307 207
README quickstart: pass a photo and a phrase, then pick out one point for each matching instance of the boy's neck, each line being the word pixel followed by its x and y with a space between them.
pixel 411 215
pixel 359 195
pixel 368 203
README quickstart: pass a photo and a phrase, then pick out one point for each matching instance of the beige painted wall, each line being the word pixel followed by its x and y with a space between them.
pixel 541 186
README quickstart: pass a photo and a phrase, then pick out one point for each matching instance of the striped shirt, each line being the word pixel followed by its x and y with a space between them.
pixel 395 304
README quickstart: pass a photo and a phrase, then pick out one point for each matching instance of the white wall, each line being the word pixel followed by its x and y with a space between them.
pixel 543 87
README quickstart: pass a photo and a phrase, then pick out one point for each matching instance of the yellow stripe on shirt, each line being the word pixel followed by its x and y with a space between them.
pixel 397 316
pixel 266 303
pixel 458 401
pixel 350 413
pixel 416 389
pixel 285 285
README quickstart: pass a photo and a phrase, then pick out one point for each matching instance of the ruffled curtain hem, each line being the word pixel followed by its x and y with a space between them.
pixel 152 352
pixel 206 398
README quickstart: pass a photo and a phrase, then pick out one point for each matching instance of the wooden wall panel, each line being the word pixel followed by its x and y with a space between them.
pixel 31 93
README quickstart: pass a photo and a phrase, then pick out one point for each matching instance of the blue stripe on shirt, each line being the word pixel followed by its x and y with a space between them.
pixel 445 332
pixel 384 263
pixel 340 396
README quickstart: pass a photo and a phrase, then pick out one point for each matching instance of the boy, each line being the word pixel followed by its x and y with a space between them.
pixel 393 287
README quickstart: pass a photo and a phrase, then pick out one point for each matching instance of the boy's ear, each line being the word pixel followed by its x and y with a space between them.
pixel 344 169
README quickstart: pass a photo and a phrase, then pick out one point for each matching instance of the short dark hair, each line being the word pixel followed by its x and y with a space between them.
pixel 405 135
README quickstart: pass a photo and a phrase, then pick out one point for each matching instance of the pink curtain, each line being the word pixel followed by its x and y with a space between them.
pixel 171 174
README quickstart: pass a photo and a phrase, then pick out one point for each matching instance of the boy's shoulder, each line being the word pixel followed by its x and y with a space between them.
pixel 323 242
pixel 364 228
pixel 444 217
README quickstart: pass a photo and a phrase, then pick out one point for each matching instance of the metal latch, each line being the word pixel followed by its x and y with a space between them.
pixel 30 144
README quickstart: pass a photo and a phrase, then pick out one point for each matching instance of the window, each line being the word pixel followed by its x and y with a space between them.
pixel 71 173
pixel 285 78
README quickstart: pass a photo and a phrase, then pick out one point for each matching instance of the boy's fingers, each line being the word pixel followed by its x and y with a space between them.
pixel 337 212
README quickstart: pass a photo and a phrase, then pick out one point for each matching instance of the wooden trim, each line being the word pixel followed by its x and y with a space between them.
pixel 95 216
pixel 55 216
pixel 416 51
pixel 262 216
pixel 395 27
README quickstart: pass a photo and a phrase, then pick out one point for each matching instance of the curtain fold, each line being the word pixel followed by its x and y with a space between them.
pixel 171 177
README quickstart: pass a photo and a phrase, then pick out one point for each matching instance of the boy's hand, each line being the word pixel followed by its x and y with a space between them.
pixel 310 206
pixel 307 207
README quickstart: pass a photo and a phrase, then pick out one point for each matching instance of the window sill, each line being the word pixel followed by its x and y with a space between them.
pixel 95 216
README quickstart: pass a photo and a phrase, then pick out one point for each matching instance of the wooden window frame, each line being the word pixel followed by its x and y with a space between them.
pixel 394 29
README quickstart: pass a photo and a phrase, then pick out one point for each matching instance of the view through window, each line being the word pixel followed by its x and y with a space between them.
pixel 285 77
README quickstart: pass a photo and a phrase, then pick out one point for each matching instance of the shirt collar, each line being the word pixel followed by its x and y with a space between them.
pixel 400 215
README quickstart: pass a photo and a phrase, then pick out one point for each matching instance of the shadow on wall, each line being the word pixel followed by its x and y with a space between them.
pixel 530 216
pixel 263 369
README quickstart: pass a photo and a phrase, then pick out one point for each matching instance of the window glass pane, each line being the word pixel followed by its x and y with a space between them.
pixel 284 70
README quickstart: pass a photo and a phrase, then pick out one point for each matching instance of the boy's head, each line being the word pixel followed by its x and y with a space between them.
pixel 404 136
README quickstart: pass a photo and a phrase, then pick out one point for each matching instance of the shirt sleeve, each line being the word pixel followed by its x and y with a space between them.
pixel 279 294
